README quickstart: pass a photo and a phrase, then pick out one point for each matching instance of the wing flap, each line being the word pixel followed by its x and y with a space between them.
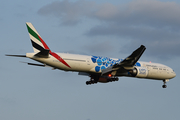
pixel 109 70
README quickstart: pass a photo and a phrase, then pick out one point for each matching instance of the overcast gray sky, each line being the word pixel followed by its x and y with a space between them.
pixel 91 27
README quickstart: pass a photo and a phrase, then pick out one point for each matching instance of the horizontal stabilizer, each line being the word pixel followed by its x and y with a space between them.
pixel 44 53
pixel 17 55
pixel 41 65
pixel 35 64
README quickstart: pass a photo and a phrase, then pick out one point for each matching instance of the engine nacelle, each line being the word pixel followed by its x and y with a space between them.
pixel 140 72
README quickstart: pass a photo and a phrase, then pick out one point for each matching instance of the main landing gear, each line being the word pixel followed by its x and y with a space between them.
pixel 104 80
pixel 94 79
pixel 91 82
pixel 164 85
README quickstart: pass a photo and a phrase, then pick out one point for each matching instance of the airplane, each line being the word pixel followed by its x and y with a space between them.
pixel 99 69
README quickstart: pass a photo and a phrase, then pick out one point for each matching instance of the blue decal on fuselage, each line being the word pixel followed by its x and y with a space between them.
pixel 97 68
pixel 93 60
pixel 104 62
pixel 138 64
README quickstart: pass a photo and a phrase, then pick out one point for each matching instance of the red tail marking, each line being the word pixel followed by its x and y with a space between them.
pixel 59 58
pixel 44 44
pixel 52 53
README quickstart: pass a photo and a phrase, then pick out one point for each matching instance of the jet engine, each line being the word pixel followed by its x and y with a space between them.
pixel 140 72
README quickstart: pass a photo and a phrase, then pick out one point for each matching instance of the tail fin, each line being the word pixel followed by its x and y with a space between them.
pixel 37 42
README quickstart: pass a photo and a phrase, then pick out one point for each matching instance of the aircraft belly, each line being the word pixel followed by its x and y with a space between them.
pixel 51 62
pixel 158 75
pixel 80 66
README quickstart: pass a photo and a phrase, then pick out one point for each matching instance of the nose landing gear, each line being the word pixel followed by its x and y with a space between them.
pixel 164 85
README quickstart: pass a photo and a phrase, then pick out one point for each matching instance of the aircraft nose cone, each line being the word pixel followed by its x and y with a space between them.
pixel 174 74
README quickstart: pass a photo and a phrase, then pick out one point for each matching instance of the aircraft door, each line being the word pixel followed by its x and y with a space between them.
pixel 88 61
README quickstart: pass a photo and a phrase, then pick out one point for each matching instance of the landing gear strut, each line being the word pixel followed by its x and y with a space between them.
pixel 94 79
pixel 164 85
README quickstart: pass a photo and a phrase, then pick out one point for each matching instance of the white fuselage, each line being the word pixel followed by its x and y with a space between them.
pixel 95 64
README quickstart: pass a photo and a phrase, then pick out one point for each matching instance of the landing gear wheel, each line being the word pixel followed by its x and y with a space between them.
pixel 87 83
pixel 164 86
pixel 91 82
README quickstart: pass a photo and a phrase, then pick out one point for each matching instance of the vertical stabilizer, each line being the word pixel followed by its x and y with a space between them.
pixel 37 42
pixel 40 47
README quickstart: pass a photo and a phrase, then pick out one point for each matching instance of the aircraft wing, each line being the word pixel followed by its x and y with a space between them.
pixel 128 62
pixel 131 60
